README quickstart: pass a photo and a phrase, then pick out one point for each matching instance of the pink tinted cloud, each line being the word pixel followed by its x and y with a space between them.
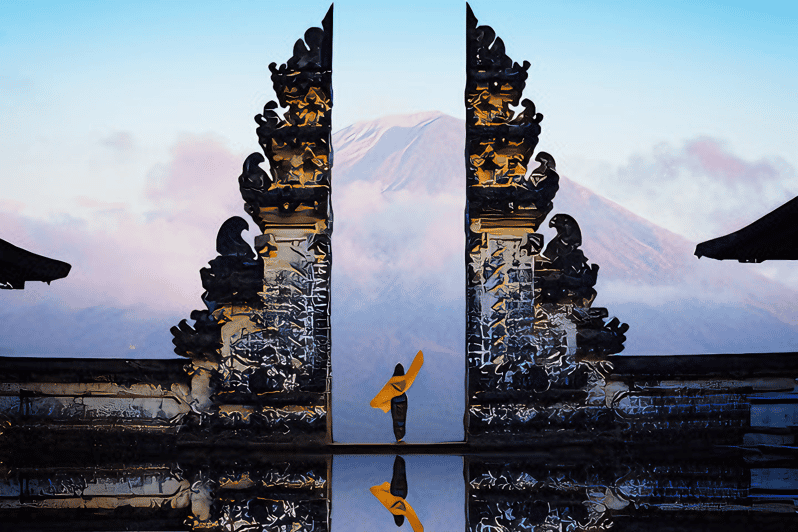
pixel 358 200
pixel 127 263
pixel 707 159
pixel 443 235
pixel 405 238
pixel 7 205
pixel 129 260
pixel 701 189
pixel 709 156
pixel 101 206
pixel 200 178
pixel 154 260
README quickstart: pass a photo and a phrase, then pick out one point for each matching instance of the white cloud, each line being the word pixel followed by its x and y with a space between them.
pixel 698 189
pixel 120 258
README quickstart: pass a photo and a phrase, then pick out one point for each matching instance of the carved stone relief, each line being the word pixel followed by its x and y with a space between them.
pixel 536 349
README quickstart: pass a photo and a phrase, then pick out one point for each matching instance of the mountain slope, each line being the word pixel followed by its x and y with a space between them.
pixel 421 157
pixel 398 276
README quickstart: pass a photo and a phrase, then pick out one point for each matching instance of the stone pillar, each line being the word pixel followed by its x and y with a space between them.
pixel 268 370
pixel 534 345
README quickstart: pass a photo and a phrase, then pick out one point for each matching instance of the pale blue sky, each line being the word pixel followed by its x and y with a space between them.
pixel 612 79
pixel 98 99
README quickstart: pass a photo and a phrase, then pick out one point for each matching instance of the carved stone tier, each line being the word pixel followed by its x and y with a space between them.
pixel 262 349
pixel 532 339
pixel 539 364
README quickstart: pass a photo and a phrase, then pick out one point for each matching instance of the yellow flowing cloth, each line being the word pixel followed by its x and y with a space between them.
pixel 396 505
pixel 398 385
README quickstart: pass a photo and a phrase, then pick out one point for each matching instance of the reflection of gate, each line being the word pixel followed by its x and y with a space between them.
pixel 560 434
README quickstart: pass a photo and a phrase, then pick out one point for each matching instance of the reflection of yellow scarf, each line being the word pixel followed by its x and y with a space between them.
pixel 396 505
pixel 398 385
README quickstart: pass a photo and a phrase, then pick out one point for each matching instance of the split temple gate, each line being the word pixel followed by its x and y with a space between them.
pixel 560 433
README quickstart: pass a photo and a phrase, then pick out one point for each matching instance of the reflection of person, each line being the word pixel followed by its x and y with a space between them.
pixel 392 396
pixel 399 485
pixel 392 496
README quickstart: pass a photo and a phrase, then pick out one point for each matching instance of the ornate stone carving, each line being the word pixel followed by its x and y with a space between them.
pixel 262 349
pixel 202 341
pixel 535 348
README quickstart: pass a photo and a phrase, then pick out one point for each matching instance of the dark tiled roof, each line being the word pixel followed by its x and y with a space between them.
pixel 18 265
pixel 772 237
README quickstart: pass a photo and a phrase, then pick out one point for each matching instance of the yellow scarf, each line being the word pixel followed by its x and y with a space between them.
pixel 397 505
pixel 398 385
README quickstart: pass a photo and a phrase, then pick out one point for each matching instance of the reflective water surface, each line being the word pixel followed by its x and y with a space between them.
pixel 559 489
pixel 435 492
